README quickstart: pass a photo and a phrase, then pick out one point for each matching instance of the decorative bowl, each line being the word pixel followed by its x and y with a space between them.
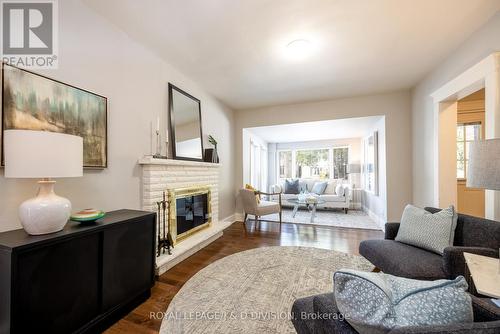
pixel 87 215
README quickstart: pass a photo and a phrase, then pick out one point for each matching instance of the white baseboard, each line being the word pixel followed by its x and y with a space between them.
pixel 239 216
pixel 379 220
pixel 229 220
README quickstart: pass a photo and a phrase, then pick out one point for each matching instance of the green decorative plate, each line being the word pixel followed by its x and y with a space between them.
pixel 88 215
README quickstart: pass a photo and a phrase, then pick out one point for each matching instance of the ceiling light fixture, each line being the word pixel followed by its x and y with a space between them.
pixel 298 49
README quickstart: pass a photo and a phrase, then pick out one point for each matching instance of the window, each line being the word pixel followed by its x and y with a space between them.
pixel 466 133
pixel 285 164
pixel 340 161
pixel 312 164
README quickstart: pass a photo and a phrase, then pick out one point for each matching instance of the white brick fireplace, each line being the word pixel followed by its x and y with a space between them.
pixel 158 175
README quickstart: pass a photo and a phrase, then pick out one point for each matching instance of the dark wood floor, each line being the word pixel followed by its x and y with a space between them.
pixel 237 238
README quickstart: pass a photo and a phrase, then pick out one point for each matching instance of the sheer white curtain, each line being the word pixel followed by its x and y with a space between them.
pixel 258 166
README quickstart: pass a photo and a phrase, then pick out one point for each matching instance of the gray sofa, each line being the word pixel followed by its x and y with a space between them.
pixel 473 235
pixel 319 315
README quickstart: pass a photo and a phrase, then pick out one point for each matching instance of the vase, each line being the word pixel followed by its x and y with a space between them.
pixel 215 158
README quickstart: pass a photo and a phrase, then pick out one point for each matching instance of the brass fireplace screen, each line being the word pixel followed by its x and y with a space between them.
pixel 189 211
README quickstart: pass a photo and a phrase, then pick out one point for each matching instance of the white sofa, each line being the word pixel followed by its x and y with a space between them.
pixel 332 200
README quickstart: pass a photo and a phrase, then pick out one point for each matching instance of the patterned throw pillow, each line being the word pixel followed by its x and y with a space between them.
pixel 292 186
pixel 425 230
pixel 319 188
pixel 339 190
pixel 249 187
pixel 378 303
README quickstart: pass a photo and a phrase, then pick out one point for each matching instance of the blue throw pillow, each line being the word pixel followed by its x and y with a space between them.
pixel 319 188
pixel 377 303
pixel 292 187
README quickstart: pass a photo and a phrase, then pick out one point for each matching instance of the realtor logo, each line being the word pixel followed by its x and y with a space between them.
pixel 29 33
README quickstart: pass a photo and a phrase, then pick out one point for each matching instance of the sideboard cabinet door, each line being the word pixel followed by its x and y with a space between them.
pixel 57 286
pixel 127 262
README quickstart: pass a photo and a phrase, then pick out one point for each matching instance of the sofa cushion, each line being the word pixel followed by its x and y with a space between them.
pixel 267 208
pixel 423 229
pixel 305 185
pixel 319 188
pixel 378 302
pixel 292 187
pixel 330 188
pixel 403 260
pixel 332 198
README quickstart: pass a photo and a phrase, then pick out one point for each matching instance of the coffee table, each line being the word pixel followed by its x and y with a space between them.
pixel 483 274
pixel 311 206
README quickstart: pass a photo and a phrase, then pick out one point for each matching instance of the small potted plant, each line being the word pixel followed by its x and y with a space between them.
pixel 215 157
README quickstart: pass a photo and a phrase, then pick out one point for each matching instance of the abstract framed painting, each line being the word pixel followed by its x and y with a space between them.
pixel 31 101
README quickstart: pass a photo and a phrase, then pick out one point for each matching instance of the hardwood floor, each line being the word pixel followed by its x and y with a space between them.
pixel 238 237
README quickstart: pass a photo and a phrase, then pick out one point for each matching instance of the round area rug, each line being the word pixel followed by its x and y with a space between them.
pixel 253 291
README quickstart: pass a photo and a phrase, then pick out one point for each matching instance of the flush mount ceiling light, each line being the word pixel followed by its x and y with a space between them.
pixel 298 49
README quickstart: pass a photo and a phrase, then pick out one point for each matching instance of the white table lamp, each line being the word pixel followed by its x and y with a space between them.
pixel 43 155
pixel 484 171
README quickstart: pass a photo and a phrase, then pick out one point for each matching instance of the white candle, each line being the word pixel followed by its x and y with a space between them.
pixel 158 124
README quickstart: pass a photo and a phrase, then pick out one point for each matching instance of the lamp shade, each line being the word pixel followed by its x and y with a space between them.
pixel 484 161
pixel 353 168
pixel 42 154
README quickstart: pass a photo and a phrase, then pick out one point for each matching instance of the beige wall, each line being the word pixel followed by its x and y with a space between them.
pixel 394 106
pixel 478 46
pixel 377 204
pixel 95 55
pixel 448 154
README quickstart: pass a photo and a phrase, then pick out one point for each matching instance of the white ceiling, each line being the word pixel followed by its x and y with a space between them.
pixel 234 48
pixel 321 130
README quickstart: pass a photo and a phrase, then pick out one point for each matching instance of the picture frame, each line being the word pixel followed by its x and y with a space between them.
pixel 31 101
pixel 370 165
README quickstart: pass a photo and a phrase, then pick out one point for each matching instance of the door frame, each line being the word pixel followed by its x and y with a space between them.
pixel 485 74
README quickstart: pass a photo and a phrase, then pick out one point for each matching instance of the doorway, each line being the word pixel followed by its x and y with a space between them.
pixel 470 127
pixel 485 74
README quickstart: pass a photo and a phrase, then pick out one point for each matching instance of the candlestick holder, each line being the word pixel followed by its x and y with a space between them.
pixel 158 143
pixel 158 154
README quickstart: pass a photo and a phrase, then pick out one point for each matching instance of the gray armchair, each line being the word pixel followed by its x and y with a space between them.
pixel 473 235
pixel 263 208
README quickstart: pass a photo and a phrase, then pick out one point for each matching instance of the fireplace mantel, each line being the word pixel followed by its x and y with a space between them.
pixel 171 162
pixel 158 175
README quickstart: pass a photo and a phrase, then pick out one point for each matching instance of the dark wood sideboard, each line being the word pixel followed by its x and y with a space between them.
pixel 79 280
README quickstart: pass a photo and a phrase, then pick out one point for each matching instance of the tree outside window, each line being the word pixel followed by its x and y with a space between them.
pixel 285 164
pixel 340 161
pixel 312 164
pixel 316 163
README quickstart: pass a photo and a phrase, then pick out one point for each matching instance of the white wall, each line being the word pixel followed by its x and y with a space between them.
pixel 481 44
pixel 95 55
pixel 396 108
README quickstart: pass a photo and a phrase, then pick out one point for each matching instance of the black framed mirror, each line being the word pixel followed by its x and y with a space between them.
pixel 186 134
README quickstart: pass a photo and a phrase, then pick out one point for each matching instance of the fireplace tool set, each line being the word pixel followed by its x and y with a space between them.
pixel 164 237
